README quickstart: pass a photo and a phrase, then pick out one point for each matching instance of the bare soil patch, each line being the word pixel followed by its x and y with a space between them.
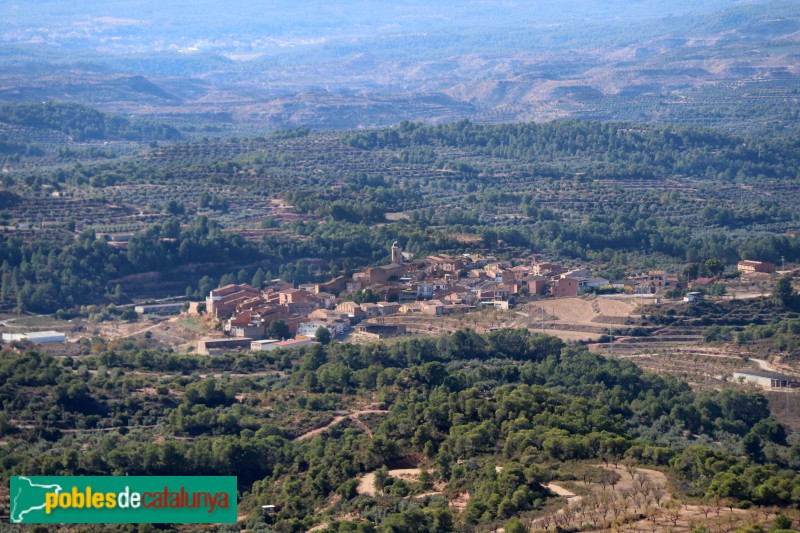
pixel 366 483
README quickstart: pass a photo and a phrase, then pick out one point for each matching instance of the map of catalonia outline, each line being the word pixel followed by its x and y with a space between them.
pixel 16 515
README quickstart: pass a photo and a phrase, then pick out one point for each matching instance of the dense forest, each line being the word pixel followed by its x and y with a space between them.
pixel 83 123
pixel 458 405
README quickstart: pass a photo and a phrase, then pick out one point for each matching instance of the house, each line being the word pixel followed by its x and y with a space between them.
pixel 565 287
pixel 251 331
pixel 336 285
pixel 293 296
pixel 477 274
pixel 326 299
pixel 499 292
pixel 389 308
pixel 407 296
pixel 768 380
pixel 303 308
pixel 692 297
pixel 432 307
pixel 376 276
pixel 332 314
pixel 548 269
pixel 393 270
pixel 585 279
pixel 251 303
pixel 499 272
pixel 536 284
pixel 269 313
pixel 222 302
pixel 651 282
pixel 593 282
pixel 703 282
pixel 446 264
pixel 294 322
pixel 308 328
pixel 521 272
pixel 425 290
pixel 371 310
pixel 576 273
pixel 752 267
pixel 458 294
pixel 411 307
pixel 511 287
pixel 349 308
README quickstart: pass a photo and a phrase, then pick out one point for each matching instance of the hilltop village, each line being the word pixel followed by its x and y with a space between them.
pixel 435 285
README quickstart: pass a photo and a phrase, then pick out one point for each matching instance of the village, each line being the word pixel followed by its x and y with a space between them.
pixel 281 315
pixel 436 295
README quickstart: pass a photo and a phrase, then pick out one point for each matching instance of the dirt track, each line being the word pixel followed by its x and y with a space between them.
pixel 366 484
pixel 340 418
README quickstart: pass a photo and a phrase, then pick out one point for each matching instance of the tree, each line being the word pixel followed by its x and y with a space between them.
pixel 278 329
pixel 348 489
pixel 5 290
pixel 381 477
pixel 174 207
pixel 515 526
pixel 781 522
pixel 782 293
pixel 714 267
pixel 258 279
pixel 753 447
pixel 205 286
pixel 489 238
pixel 5 425
pixel 322 335
pixel 717 289
pixel 691 271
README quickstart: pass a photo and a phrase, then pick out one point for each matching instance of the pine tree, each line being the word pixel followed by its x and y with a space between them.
pixel 258 279
pixel 5 289
pixel 782 293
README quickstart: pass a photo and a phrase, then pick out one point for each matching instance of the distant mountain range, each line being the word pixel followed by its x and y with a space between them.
pixel 722 63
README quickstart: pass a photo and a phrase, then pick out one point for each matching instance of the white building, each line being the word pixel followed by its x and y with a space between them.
pixel 294 343
pixel 39 337
pixel 262 345
pixel 309 329
pixel 768 380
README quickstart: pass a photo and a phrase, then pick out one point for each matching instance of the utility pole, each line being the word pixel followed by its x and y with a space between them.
pixel 610 342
